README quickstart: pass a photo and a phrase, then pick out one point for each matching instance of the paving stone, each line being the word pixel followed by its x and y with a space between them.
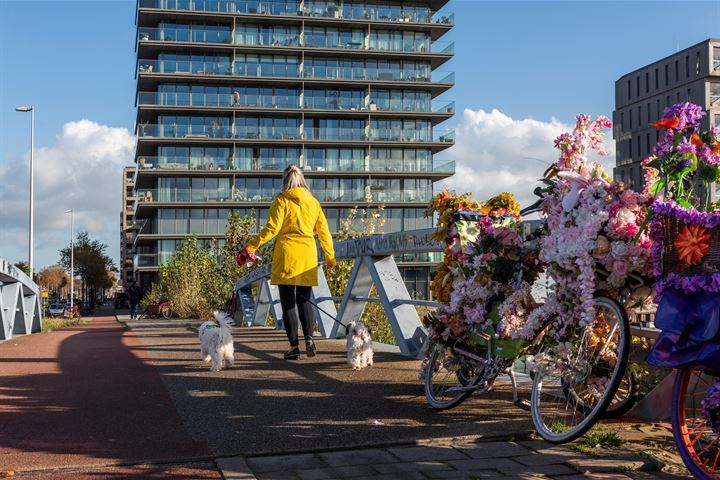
pixel 395 476
pixel 597 476
pixel 281 475
pixel 235 468
pixel 411 467
pixel 480 464
pixel 596 465
pixel 278 463
pixel 351 471
pixel 411 454
pixel 536 444
pixel 357 457
pixel 492 449
pixel 518 469
pixel 453 474
pixel 545 459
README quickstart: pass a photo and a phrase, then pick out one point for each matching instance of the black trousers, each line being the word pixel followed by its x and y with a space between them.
pixel 297 309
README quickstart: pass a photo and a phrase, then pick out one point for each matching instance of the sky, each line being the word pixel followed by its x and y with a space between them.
pixel 523 70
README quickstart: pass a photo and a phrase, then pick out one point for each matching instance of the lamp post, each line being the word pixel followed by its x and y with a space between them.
pixel 31 109
pixel 72 261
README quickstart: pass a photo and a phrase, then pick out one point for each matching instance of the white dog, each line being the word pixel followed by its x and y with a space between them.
pixel 359 345
pixel 216 342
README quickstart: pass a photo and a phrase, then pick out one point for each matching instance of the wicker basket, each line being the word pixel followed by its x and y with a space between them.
pixel 670 261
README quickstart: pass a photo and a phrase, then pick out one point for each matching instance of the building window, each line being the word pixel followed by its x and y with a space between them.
pixel 717 120
pixel 687 66
pixel 716 58
pixel 637 86
pixel 622 121
pixel 657 79
pixel 677 70
pixel 677 97
pixel 715 94
pixel 639 119
pixel 639 147
pixel 647 82
pixel 647 112
pixel 631 122
pixel 657 108
pixel 667 75
pixel 688 94
pixel 647 143
pixel 629 89
pixel 697 63
pixel 630 149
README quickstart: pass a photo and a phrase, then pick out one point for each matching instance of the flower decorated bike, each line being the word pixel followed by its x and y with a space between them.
pixel 576 340
pixel 685 228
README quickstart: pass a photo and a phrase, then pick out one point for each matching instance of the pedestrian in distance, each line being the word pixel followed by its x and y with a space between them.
pixel 133 299
pixel 295 216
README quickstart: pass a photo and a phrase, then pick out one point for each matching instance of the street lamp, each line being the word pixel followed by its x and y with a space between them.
pixel 32 179
pixel 72 261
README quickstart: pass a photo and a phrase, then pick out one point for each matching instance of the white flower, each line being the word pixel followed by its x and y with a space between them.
pixel 625 215
pixel 619 249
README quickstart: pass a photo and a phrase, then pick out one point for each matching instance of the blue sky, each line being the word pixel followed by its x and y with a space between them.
pixel 531 60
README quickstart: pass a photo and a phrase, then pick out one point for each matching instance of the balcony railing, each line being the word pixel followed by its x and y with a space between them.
pixel 361 42
pixel 216 100
pixel 279 164
pixel 291 133
pixel 187 67
pixel 348 11
pixel 241 195
pixel 145 260
pixel 313 103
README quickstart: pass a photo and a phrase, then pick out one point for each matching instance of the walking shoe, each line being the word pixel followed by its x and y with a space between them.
pixel 292 354
pixel 310 348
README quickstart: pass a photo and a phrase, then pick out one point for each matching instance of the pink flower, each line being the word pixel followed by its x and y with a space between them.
pixel 631 229
pixel 620 267
pixel 629 199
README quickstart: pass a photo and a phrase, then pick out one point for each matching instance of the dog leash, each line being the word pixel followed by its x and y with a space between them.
pixel 321 309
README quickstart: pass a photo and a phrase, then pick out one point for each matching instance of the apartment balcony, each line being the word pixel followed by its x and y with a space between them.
pixel 152 71
pixel 367 106
pixel 386 15
pixel 181 134
pixel 146 261
pixel 315 167
pixel 152 40
pixel 235 197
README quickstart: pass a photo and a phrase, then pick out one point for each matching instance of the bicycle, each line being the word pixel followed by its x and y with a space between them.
pixel 157 310
pixel 565 401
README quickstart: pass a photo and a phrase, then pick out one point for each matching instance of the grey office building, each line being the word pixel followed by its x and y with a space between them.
pixel 230 92
pixel 691 75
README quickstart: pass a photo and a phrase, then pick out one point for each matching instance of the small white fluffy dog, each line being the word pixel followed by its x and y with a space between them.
pixel 359 345
pixel 216 342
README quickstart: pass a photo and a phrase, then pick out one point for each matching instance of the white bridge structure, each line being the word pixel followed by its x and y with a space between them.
pixel 20 312
pixel 374 266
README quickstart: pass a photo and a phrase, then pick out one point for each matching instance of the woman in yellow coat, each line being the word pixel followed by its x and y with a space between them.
pixel 294 216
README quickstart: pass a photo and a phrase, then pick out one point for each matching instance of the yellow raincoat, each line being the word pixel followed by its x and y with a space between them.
pixel 294 215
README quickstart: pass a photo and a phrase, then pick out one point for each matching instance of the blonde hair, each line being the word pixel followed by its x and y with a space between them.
pixel 293 178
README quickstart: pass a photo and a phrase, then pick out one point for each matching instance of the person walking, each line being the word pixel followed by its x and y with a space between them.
pixel 295 215
pixel 133 299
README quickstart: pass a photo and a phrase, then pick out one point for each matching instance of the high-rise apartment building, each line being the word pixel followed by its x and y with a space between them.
pixel 126 226
pixel 691 75
pixel 230 92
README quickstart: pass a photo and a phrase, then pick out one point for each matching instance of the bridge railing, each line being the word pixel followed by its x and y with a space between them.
pixel 20 312
pixel 374 265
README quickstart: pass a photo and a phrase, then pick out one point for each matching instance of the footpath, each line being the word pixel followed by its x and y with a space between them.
pixel 131 400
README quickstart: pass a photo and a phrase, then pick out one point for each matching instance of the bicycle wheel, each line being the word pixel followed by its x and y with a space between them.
pixel 570 398
pixel 166 312
pixel 626 396
pixel 447 378
pixel 698 444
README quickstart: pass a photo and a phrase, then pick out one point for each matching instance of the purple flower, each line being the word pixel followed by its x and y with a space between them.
pixel 689 115
pixel 686 147
pixel 665 144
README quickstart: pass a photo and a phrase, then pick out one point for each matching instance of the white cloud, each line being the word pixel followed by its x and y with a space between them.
pixel 82 170
pixel 495 153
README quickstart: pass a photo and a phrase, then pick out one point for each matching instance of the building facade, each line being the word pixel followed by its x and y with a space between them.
pixel 230 92
pixel 691 75
pixel 127 221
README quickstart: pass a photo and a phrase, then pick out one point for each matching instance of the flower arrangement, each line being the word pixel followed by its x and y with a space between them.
pixel 683 156
pixel 711 407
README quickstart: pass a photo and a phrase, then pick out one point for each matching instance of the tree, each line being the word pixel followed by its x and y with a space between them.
pixel 24 266
pixel 53 278
pixel 91 264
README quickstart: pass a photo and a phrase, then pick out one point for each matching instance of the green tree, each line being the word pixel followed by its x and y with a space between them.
pixel 24 266
pixel 91 264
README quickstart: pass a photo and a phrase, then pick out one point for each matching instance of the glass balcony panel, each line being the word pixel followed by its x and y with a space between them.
pixel 184 34
pixel 145 260
pixel 443 18
pixel 217 100
pixel 447 136
pixel 442 166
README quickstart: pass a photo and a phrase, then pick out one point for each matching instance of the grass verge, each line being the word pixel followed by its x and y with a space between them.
pixel 50 324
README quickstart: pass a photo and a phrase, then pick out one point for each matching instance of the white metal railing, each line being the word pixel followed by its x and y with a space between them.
pixel 374 266
pixel 20 312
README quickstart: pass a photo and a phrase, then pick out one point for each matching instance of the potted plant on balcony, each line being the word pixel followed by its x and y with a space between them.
pixel 144 36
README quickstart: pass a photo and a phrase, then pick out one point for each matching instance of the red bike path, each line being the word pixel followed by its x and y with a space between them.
pixel 88 395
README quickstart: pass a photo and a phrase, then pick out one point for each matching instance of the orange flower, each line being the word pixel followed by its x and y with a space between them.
pixel 695 140
pixel 667 123
pixel 692 244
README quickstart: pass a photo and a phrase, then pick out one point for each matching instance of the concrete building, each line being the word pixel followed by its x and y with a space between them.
pixel 127 220
pixel 230 92
pixel 641 96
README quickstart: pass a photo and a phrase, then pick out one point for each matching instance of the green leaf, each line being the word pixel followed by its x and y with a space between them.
pixel 684 203
pixel 657 186
pixel 656 164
